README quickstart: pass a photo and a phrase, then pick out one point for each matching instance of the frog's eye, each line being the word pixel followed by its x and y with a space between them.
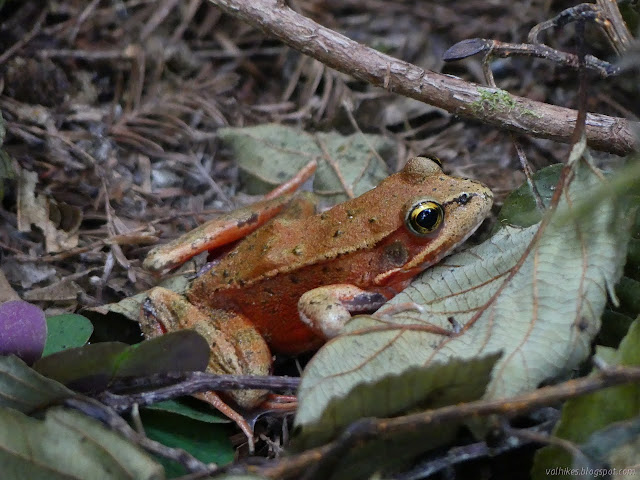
pixel 424 217
pixel 433 158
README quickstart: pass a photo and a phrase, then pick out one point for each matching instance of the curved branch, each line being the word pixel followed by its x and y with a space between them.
pixel 469 100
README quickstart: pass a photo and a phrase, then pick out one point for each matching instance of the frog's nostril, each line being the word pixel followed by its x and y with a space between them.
pixel 464 198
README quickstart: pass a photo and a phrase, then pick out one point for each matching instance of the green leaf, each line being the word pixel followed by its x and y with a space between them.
pixel 190 408
pixel 93 367
pixel 66 331
pixel 208 442
pixel 587 414
pixel 68 445
pixel 270 154
pixel 181 351
pixel 540 305
pixel 86 369
pixel 25 390
pixel 520 209
pixel 615 326
pixel 421 388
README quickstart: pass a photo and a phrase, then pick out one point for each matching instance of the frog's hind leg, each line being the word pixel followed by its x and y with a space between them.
pixel 213 399
pixel 237 348
pixel 226 228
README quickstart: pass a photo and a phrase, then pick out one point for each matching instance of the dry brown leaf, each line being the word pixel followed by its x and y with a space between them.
pixel 64 290
pixel 38 210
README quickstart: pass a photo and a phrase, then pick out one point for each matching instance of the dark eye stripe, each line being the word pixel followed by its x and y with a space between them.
pixel 461 199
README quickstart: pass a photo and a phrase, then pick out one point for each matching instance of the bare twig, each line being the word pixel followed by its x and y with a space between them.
pixel 452 94
pixel 89 55
pixel 160 13
pixel 604 13
pixel 495 48
pixel 187 17
pixel 86 13
pixel 528 172
pixel 517 438
pixel 615 27
pixel 178 385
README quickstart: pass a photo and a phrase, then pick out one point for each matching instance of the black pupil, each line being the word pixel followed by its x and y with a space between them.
pixel 427 218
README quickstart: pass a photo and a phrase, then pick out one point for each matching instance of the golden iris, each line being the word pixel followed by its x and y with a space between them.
pixel 425 217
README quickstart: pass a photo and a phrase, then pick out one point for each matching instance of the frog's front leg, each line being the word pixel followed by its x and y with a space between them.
pixel 237 348
pixel 326 309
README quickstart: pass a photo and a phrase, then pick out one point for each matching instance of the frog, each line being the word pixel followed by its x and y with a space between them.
pixel 296 276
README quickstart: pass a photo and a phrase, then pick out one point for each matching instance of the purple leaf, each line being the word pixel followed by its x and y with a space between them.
pixel 23 330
